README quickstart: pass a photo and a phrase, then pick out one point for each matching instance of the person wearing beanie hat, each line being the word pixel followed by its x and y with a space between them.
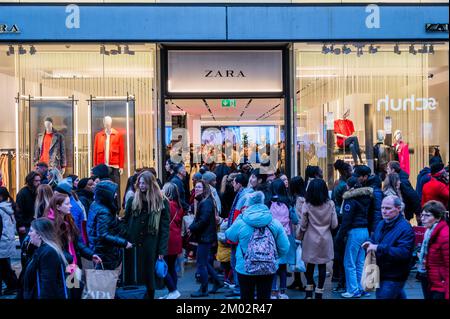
pixel 257 215
pixel 85 192
pixel 437 188
pixel 65 186
pixel 210 179
pixel 101 171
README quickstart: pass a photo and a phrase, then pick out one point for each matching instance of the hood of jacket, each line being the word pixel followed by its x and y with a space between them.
pixel 105 192
pixel 7 208
pixel 374 181
pixel 85 193
pixel 403 176
pixel 358 192
pixel 257 216
pixel 425 171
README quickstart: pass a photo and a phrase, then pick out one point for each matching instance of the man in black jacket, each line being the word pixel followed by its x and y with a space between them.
pixel 410 197
pixel 26 197
pixel 180 175
pixel 393 244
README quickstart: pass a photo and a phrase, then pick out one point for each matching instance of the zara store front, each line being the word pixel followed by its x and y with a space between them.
pixel 223 84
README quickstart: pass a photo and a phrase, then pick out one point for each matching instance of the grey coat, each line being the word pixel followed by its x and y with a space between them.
pixel 7 240
pixel 57 150
pixel 317 241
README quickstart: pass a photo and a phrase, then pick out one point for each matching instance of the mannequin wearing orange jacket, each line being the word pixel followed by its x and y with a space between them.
pixel 111 154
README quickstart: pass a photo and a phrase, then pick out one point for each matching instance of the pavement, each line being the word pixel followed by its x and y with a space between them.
pixel 187 284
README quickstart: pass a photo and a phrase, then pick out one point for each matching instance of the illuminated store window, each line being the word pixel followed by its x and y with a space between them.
pixel 384 89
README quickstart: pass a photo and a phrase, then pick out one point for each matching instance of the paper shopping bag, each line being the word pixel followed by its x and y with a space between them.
pixel 100 284
pixel 370 279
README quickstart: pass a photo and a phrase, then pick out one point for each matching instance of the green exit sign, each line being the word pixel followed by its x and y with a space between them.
pixel 228 103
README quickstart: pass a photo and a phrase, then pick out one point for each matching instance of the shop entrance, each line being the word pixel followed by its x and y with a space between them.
pixel 226 131
pixel 225 106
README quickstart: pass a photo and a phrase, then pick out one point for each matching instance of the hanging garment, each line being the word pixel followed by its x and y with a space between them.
pixel 116 149
pixel 403 155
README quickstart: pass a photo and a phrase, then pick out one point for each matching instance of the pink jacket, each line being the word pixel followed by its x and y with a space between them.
pixel 403 155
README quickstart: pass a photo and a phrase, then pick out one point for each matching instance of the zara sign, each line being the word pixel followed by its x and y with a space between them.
pixel 225 71
pixel 4 29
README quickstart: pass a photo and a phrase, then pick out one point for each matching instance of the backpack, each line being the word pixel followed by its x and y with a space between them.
pixel 281 213
pixel 261 256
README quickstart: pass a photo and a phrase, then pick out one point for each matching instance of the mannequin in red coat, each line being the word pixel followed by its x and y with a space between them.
pixel 344 130
pixel 109 147
pixel 402 150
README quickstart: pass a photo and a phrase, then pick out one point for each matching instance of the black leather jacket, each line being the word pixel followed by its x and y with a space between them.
pixel 204 225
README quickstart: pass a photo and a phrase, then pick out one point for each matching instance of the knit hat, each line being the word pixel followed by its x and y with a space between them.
pixel 436 168
pixel 101 171
pixel 255 198
pixel 197 176
pixel 83 182
pixel 64 186
pixel 362 170
pixel 208 177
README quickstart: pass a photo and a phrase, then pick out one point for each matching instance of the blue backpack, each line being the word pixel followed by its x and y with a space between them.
pixel 262 255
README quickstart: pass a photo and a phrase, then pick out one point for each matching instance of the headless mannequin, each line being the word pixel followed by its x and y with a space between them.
pixel 381 155
pixel 107 124
pixel 350 141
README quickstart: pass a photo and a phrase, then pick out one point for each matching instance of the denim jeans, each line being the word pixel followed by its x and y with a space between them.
pixel 391 290
pixel 282 273
pixel 172 276
pixel 354 259
pixel 203 266
pixel 233 266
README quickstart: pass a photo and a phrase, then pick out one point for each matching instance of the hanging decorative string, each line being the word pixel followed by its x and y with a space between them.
pixel 245 108
pixel 209 109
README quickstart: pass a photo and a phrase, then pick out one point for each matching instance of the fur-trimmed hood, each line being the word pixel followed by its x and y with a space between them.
pixel 362 191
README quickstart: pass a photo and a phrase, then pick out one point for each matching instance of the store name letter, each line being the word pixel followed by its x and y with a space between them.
pixel 373 19
pixel 73 19
pixel 413 103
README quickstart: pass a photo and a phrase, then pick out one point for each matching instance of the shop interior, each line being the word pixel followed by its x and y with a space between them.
pixel 405 86
pixel 213 131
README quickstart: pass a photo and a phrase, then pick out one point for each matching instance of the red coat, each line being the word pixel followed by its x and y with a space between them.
pixel 116 148
pixel 176 220
pixel 435 190
pixel 437 262
pixel 403 155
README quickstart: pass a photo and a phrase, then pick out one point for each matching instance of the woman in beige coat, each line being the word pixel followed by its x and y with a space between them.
pixel 319 217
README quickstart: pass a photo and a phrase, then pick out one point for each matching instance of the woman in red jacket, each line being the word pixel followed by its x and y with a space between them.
pixel 170 190
pixel 434 253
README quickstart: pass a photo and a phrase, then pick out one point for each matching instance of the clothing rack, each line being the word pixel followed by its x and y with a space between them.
pixel 11 152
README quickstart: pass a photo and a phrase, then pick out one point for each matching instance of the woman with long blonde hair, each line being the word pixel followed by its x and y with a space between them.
pixel 147 216
pixel 43 197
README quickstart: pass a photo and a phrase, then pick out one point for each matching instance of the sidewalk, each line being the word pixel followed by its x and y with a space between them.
pixel 187 285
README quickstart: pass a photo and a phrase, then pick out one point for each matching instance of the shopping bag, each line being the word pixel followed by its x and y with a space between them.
pixel 299 263
pixel 370 279
pixel 100 284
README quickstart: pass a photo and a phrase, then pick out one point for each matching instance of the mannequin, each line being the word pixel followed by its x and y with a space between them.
pixel 109 150
pixel 402 150
pixel 381 154
pixel 50 147
pixel 344 131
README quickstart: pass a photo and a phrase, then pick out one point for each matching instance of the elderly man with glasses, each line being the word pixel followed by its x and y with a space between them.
pixel 393 244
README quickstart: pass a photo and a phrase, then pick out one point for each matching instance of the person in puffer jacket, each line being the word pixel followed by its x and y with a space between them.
pixel 106 233
pixel 7 241
pixel 257 215
pixel 356 205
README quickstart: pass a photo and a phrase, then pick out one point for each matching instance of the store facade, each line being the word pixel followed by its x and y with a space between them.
pixel 220 82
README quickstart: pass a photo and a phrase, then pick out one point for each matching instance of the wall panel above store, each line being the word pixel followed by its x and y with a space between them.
pixel 220 22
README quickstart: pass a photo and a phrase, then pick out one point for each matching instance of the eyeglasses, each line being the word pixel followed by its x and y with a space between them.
pixel 426 215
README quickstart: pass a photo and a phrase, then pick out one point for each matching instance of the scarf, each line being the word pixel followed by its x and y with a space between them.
pixel 154 217
pixel 424 249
